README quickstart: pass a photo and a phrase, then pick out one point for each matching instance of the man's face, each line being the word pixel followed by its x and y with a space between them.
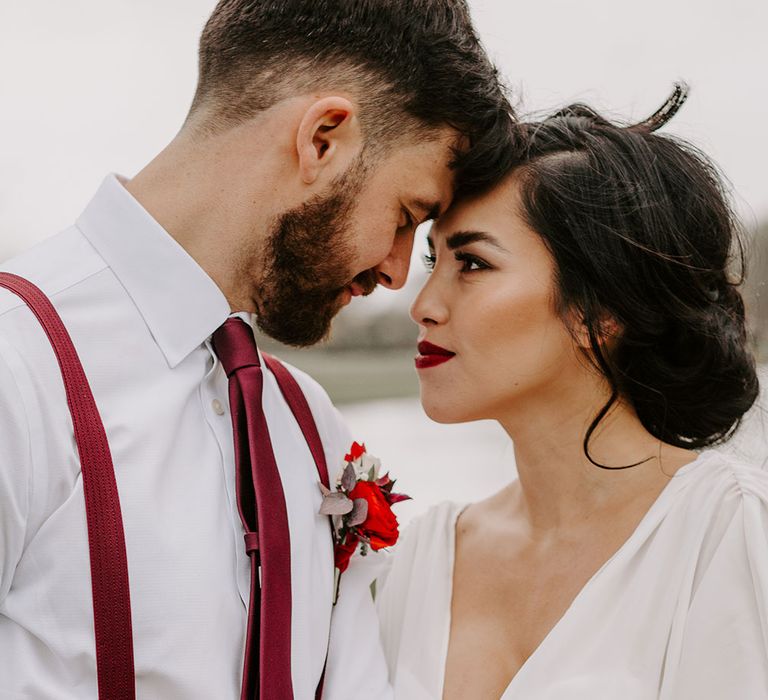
pixel 344 243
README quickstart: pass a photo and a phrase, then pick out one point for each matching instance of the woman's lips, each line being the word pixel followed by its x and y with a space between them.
pixel 432 355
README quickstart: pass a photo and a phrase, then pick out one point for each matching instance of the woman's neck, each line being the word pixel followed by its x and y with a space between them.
pixel 559 488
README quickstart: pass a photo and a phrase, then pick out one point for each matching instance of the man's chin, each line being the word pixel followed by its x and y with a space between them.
pixel 294 339
pixel 301 319
pixel 302 331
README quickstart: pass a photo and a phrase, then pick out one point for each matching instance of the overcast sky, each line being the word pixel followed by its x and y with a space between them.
pixel 93 86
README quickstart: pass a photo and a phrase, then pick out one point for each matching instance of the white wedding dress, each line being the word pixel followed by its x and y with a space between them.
pixel 680 612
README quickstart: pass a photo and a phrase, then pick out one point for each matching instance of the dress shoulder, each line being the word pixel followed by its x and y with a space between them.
pixel 720 649
pixel 724 483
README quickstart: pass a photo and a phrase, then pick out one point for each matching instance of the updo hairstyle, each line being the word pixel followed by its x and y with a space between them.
pixel 642 233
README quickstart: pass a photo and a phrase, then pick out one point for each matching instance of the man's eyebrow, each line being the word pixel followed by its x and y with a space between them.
pixel 430 210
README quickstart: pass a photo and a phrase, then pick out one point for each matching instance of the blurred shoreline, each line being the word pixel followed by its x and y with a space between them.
pixel 351 376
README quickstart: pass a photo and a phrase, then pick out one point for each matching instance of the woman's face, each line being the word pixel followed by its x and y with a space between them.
pixel 490 300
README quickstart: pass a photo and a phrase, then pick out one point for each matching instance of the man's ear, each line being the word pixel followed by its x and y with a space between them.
pixel 328 135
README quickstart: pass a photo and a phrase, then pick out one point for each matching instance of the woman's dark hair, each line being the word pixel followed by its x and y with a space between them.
pixel 642 233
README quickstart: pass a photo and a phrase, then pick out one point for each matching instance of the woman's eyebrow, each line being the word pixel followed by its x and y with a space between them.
pixel 462 238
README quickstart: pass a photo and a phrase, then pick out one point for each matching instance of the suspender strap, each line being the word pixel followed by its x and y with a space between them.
pixel 297 402
pixel 106 539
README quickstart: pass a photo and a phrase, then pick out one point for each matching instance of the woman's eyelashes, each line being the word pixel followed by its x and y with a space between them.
pixel 471 263
pixel 468 262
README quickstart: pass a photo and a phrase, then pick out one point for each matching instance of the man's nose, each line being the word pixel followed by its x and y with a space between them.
pixel 392 272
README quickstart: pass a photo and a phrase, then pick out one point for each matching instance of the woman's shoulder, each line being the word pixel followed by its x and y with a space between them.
pixel 719 534
pixel 721 514
pixel 721 479
pixel 716 491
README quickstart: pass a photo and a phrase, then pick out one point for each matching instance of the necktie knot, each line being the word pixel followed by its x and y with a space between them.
pixel 235 346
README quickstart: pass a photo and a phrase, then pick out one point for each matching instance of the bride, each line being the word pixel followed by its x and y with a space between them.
pixel 587 305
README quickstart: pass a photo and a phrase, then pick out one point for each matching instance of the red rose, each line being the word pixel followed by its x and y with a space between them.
pixel 356 451
pixel 344 550
pixel 381 524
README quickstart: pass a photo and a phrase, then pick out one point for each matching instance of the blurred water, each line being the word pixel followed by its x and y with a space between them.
pixel 432 462
pixel 467 462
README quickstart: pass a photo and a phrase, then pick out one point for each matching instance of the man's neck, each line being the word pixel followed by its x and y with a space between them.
pixel 189 189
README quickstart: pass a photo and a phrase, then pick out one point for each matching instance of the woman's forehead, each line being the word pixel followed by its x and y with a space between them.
pixel 493 209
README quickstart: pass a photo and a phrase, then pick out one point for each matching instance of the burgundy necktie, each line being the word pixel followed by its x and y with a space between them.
pixel 261 503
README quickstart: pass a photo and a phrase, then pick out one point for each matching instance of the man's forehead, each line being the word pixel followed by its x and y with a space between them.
pixel 433 188
pixel 426 172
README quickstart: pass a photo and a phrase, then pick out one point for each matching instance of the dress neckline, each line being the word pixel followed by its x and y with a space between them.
pixel 673 486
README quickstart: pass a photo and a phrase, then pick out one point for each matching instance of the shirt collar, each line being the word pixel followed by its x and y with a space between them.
pixel 181 305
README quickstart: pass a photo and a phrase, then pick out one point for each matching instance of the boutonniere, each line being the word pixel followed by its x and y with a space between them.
pixel 361 508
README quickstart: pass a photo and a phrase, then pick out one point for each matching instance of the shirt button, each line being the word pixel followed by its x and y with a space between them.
pixel 218 409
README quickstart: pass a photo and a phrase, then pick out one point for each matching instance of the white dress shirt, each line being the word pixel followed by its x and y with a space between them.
pixel 141 312
pixel 679 612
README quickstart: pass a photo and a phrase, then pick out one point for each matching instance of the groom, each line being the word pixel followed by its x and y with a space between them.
pixel 321 134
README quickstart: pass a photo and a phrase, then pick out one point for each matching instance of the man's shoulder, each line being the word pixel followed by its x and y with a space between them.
pixel 54 265
pixel 330 423
pixel 308 384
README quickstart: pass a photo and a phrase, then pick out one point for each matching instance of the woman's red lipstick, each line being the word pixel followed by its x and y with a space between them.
pixel 432 355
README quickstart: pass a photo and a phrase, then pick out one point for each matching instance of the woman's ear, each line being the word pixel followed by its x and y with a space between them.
pixel 329 135
pixel 607 329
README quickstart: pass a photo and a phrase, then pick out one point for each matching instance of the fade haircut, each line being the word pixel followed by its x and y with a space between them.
pixel 413 66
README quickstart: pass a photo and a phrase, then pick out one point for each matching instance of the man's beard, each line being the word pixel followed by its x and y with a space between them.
pixel 308 261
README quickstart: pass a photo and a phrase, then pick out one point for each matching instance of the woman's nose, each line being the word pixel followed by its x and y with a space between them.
pixel 430 306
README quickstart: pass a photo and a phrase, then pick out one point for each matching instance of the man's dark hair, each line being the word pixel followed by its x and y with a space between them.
pixel 642 233
pixel 412 65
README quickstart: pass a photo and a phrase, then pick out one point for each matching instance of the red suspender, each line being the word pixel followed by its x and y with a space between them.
pixel 106 538
pixel 297 402
pixel 106 541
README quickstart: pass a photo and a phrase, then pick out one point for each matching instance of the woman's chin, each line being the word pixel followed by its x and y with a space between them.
pixel 442 411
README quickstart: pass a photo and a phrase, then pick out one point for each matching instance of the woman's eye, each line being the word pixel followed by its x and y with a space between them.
pixel 469 263
pixel 429 260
